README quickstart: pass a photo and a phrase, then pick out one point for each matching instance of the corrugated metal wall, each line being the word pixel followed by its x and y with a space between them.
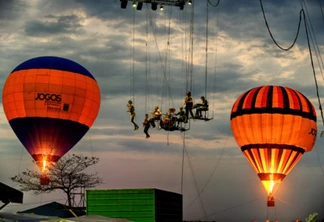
pixel 138 205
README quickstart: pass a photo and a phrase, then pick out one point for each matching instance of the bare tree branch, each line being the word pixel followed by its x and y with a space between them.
pixel 65 175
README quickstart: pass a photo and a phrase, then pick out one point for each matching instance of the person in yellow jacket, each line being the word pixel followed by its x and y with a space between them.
pixel 131 110
pixel 156 115
pixel 188 102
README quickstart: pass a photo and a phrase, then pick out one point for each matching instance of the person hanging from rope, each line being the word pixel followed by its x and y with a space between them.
pixel 182 116
pixel 188 104
pixel 201 107
pixel 156 115
pixel 131 110
pixel 146 125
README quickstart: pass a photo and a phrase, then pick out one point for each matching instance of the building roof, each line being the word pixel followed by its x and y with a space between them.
pixel 22 218
pixel 9 194
pixel 55 209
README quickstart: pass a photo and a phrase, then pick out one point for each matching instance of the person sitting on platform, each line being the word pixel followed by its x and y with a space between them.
pixel 201 107
pixel 156 115
pixel 182 115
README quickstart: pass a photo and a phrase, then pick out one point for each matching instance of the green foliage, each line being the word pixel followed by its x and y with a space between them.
pixel 311 217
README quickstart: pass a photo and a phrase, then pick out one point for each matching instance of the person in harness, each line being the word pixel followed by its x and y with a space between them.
pixel 131 110
pixel 146 125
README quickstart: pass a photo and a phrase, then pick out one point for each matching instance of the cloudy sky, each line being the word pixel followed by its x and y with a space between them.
pixel 153 57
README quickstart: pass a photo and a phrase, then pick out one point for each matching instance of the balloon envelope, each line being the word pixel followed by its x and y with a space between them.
pixel 50 103
pixel 273 126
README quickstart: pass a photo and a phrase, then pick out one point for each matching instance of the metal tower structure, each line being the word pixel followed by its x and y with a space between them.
pixel 154 3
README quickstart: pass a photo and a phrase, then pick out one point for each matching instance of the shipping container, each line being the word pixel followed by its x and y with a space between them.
pixel 138 205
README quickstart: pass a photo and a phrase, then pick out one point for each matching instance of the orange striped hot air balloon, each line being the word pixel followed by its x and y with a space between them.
pixel 50 103
pixel 273 126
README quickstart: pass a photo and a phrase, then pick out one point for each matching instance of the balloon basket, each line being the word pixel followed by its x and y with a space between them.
pixel 44 180
pixel 270 201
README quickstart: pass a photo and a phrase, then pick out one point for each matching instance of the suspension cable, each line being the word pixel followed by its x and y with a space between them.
pixel 206 50
pixel 212 4
pixel 191 49
pixel 196 183
pixel 211 175
pixel 182 165
pixel 313 39
pixel 312 64
pixel 301 16
pixel 132 79
pixel 267 25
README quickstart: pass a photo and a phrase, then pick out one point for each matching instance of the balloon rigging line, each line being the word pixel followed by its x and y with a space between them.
pixel 275 209
pixel 284 202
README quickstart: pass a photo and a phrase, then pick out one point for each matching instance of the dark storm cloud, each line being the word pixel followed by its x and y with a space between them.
pixel 55 25
pixel 11 10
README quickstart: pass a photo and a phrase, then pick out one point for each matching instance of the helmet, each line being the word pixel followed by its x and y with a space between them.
pixel 130 101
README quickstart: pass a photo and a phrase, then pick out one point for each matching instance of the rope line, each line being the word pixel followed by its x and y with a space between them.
pixel 312 64
pixel 273 39
pixel 206 51
pixel 212 4
pixel 182 165
pixel 301 16
pixel 230 208
pixel 313 39
pixel 211 175
pixel 196 183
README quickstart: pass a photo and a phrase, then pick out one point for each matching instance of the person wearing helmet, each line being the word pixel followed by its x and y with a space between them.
pixel 131 110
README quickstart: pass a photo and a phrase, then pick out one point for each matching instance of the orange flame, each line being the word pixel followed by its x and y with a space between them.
pixel 44 168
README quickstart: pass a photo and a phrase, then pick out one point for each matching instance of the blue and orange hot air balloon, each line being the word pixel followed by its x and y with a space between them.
pixel 273 126
pixel 50 103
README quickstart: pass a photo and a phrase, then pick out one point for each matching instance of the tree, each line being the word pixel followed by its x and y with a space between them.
pixel 66 175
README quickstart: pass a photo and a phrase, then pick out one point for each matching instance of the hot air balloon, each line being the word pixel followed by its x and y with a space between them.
pixel 50 103
pixel 273 126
